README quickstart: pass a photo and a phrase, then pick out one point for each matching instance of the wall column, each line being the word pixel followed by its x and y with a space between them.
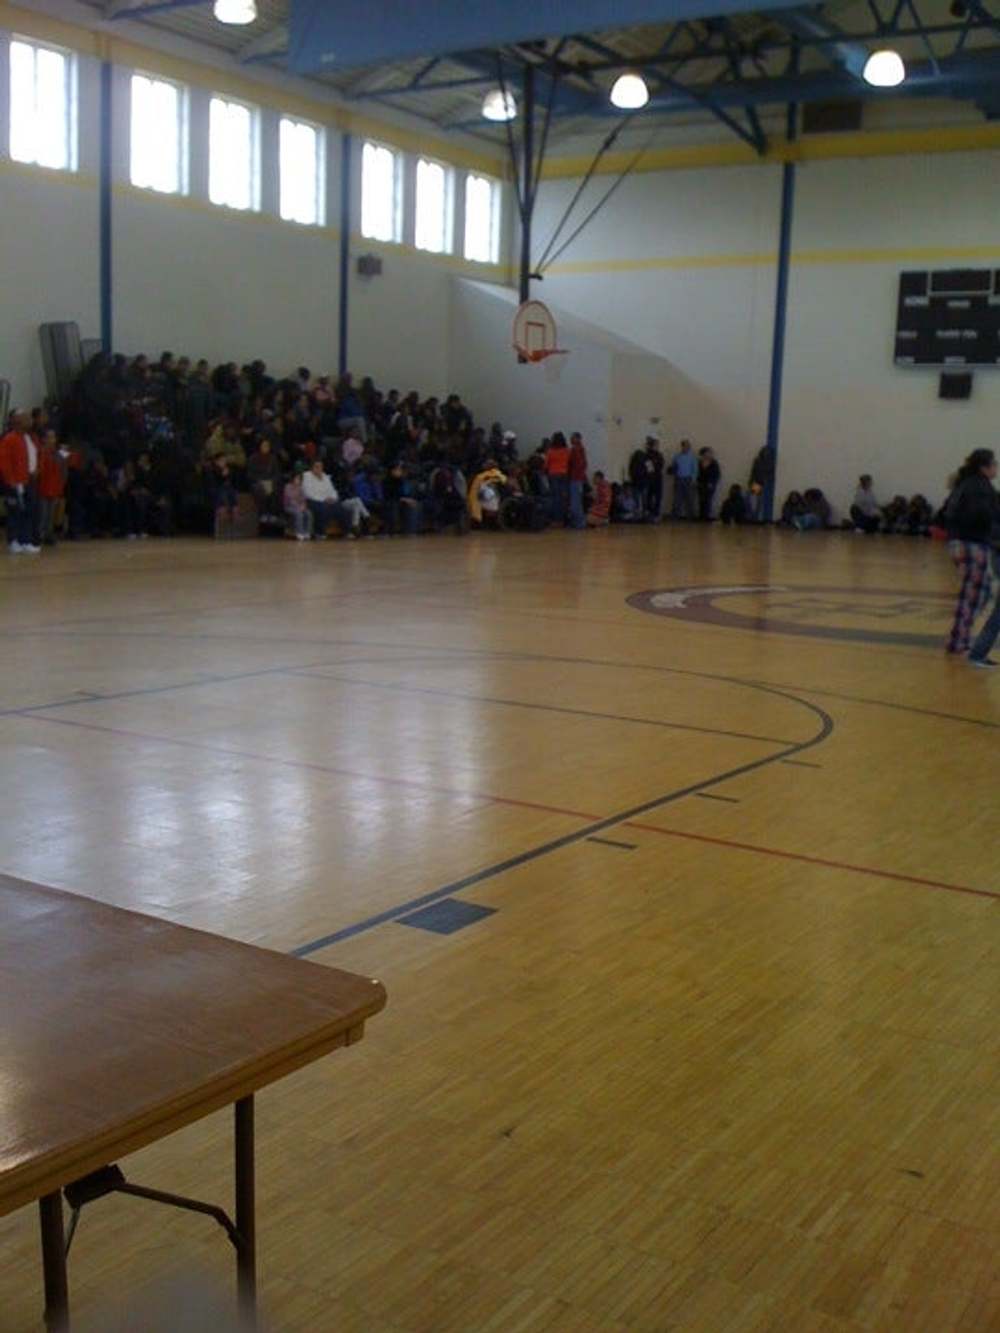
pixel 780 310
pixel 345 250
pixel 106 278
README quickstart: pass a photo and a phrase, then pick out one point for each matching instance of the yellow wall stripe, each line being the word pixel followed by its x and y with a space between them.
pixel 484 272
pixel 910 255
pixel 231 83
pixel 812 148
pixel 46 175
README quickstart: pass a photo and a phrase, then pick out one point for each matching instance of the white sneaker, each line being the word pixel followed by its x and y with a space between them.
pixel 301 537
pixel 15 548
pixel 29 549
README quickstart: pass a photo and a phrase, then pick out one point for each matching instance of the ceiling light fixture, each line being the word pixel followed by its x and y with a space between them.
pixel 499 105
pixel 630 92
pixel 884 69
pixel 236 12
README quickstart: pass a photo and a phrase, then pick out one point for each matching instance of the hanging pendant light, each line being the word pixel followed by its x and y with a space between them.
pixel 499 105
pixel 236 12
pixel 629 92
pixel 884 69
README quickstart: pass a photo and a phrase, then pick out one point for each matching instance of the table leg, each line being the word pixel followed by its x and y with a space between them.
pixel 246 1256
pixel 50 1210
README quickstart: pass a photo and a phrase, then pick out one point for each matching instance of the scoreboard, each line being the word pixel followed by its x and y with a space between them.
pixel 949 318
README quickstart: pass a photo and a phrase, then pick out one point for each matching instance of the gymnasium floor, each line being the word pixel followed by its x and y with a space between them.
pixel 719 1052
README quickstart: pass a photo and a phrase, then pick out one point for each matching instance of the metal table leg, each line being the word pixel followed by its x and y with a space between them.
pixel 246 1254
pixel 50 1210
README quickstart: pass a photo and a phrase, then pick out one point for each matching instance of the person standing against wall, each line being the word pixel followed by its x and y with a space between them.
pixel 709 475
pixel 761 484
pixel 557 468
pixel 577 476
pixel 685 469
pixel 655 467
pixel 19 479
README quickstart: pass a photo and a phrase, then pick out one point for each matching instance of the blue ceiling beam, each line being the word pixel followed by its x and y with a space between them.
pixel 568 99
pixel 964 76
pixel 408 89
pixel 328 37
pixel 967 76
pixel 158 7
pixel 848 54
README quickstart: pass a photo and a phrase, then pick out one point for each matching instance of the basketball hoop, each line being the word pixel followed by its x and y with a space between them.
pixel 534 336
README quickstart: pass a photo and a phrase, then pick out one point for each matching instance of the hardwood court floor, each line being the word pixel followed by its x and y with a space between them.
pixel 722 1054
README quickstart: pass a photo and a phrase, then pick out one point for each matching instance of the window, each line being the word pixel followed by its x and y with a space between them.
pixel 232 154
pixel 158 135
pixel 482 219
pixel 433 221
pixel 302 175
pixel 42 105
pixel 381 196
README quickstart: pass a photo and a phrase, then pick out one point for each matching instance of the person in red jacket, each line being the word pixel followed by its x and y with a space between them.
pixel 52 469
pixel 557 468
pixel 19 477
pixel 577 477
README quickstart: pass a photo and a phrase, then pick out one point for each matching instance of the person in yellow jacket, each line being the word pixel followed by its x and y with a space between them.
pixel 484 492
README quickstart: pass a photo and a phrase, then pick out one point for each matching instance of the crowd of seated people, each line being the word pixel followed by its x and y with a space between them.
pixel 150 448
pixel 810 509
pixel 912 517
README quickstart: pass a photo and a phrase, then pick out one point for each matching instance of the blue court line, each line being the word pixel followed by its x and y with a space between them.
pixel 568 839
pixel 393 687
pixel 89 698
pixel 710 796
pixel 473 654
pixel 611 842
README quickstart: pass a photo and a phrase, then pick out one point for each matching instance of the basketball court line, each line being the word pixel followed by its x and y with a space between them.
pixel 599 826
pixel 226 607
pixel 776 686
pixel 816 861
pixel 595 823
pixel 474 654
pixel 898 707
pixel 314 674
pixel 90 697
pixel 308 765
pixel 28 709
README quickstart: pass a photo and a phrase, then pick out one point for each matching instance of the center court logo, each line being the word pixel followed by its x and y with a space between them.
pixel 907 618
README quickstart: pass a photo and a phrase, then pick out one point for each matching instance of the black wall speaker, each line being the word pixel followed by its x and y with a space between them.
pixel 954 385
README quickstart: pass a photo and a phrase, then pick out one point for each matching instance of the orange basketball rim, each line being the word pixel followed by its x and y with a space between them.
pixel 535 335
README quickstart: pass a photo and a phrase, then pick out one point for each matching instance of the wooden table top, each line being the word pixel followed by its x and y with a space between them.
pixel 119 1028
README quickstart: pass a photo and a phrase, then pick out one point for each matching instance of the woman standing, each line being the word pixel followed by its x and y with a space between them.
pixel 557 468
pixel 970 514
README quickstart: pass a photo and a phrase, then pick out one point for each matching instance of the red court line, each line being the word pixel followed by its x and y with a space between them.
pixel 225 751
pixel 816 861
